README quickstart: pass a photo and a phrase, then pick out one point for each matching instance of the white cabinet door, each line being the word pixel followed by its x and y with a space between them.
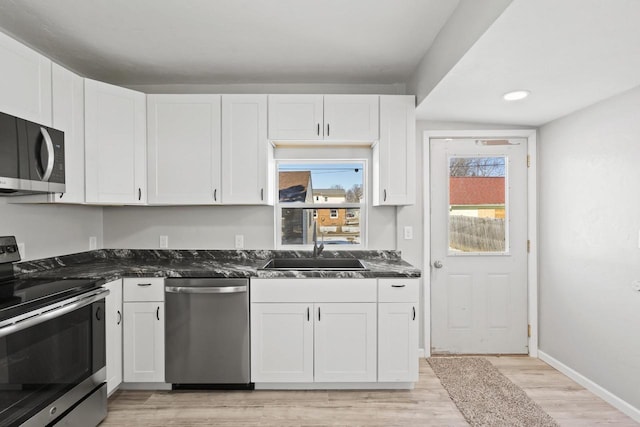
pixel 25 87
pixel 183 149
pixel 345 342
pixel 397 342
pixel 143 342
pixel 115 144
pixel 68 116
pixel 247 156
pixel 281 342
pixel 113 319
pixel 351 117
pixel 394 161
pixel 296 117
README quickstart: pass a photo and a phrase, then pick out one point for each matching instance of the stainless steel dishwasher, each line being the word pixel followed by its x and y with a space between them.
pixel 207 333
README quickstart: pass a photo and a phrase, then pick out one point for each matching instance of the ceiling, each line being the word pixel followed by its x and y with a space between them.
pixel 568 53
pixel 139 42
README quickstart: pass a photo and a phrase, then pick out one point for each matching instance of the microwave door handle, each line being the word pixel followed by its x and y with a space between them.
pixel 49 144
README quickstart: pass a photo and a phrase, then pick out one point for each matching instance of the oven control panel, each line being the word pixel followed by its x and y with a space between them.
pixel 8 249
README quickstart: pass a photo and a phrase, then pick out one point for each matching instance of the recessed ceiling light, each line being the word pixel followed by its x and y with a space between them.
pixel 516 95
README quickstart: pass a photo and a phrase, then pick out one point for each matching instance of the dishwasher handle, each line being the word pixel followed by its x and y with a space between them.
pixel 206 289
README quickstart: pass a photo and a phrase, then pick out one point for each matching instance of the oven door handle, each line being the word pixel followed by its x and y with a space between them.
pixel 205 290
pixel 50 312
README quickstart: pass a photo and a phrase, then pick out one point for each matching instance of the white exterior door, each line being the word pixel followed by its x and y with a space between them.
pixel 281 342
pixel 478 246
pixel 345 342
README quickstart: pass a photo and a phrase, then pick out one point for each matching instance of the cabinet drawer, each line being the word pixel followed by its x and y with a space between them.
pixel 398 290
pixel 143 289
pixel 313 290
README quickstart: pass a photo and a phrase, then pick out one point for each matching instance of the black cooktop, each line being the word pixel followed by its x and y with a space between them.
pixel 21 294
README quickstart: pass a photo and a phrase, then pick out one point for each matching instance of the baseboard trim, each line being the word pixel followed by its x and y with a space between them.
pixel 596 389
pixel 421 353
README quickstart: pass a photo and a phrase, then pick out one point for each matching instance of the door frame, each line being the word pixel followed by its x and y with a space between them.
pixel 532 224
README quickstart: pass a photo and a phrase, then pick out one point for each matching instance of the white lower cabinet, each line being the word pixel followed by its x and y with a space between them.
pixel 398 320
pixel 313 330
pixel 334 331
pixel 345 342
pixel 143 330
pixel 281 342
pixel 113 320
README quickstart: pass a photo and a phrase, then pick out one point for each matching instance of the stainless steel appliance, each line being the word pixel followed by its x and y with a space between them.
pixel 207 333
pixel 52 348
pixel 31 157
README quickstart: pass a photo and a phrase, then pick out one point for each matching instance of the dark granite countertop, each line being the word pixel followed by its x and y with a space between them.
pixel 113 264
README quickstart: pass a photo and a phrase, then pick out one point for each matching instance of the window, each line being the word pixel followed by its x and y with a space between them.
pixel 327 196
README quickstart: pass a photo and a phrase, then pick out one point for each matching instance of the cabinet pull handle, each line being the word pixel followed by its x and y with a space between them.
pixel 318 131
pixel 308 315
pixel 385 195
pixel 215 194
pixel 61 194
pixel 327 129
pixel 398 286
pixel 318 314
pixel 98 314
pixel 144 284
pixel 414 313
pixel 158 313
pixel 262 194
pixel 119 317
pixel 139 194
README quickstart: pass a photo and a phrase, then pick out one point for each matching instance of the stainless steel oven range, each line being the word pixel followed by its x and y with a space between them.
pixel 52 348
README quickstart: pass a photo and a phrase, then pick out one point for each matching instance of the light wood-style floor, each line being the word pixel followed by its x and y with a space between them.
pixel 427 405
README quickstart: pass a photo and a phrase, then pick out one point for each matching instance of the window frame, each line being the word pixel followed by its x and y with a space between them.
pixel 363 206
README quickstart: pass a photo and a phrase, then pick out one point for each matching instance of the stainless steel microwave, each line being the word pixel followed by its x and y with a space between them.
pixel 31 157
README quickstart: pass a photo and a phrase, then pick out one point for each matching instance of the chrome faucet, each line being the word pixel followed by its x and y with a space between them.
pixel 317 250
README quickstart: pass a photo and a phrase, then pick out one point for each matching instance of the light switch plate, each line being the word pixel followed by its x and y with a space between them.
pixel 408 232
pixel 93 243
pixel 164 242
pixel 239 241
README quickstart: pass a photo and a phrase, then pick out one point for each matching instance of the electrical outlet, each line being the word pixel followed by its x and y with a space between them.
pixel 93 243
pixel 408 232
pixel 239 241
pixel 22 250
pixel 164 242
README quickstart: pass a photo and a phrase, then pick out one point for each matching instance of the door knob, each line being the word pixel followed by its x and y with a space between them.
pixel 437 264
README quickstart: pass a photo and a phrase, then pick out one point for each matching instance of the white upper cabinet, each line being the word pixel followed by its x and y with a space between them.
pixel 338 118
pixel 296 117
pixel 115 144
pixel 394 162
pixel 183 149
pixel 25 87
pixel 247 156
pixel 68 116
pixel 351 117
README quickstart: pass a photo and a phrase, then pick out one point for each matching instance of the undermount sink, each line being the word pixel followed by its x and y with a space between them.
pixel 340 264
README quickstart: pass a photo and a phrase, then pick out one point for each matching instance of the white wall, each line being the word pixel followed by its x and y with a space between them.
pixel 215 227
pixel 50 230
pixel 588 244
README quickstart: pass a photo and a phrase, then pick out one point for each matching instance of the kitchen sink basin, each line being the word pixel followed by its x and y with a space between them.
pixel 340 264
